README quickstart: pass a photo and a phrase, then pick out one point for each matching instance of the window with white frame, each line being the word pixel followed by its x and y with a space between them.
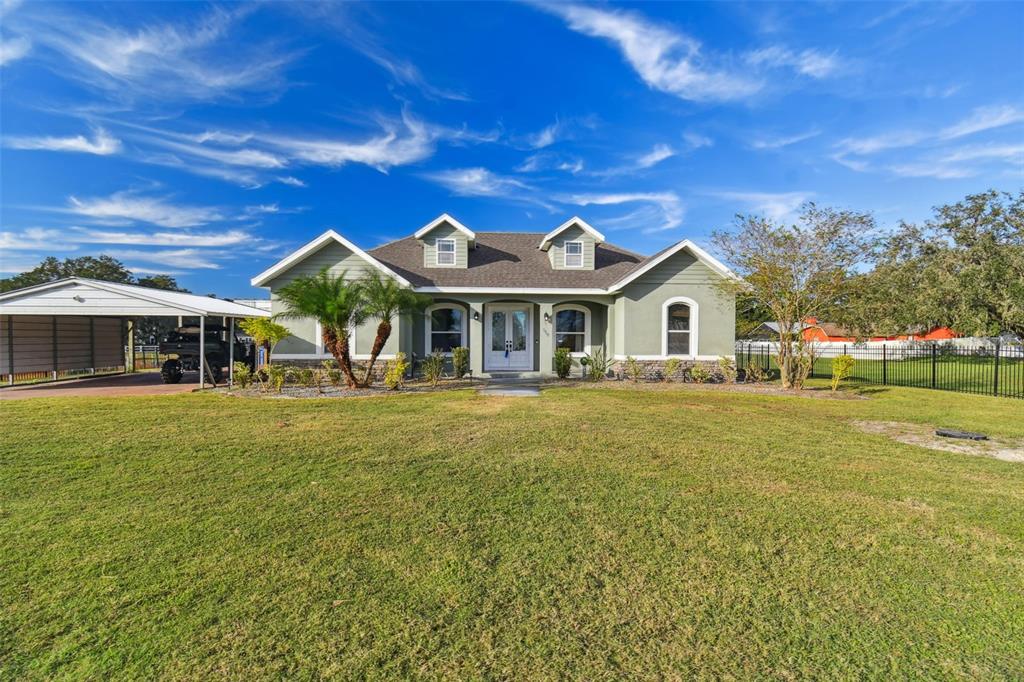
pixel 574 254
pixel 677 329
pixel 446 328
pixel 445 251
pixel 571 329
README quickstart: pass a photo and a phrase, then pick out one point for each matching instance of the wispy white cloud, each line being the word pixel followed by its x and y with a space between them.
pixel 190 239
pixel 773 205
pixel 659 153
pixel 957 163
pixel 665 59
pixel 13 49
pixel 122 207
pixel 546 136
pixel 290 180
pixel 184 259
pixel 340 19
pixel 807 62
pixel 182 60
pixel 102 144
pixel 780 141
pixel 982 119
pixel 477 182
pixel 546 161
pixel 696 140
pixel 30 239
pixel 670 209
pixel 934 161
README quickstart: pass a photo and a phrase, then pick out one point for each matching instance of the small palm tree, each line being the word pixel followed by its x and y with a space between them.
pixel 336 303
pixel 384 300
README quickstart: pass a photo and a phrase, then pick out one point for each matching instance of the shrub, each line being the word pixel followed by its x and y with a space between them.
pixel 756 373
pixel 332 373
pixel 563 362
pixel 460 361
pixel 433 367
pixel 842 368
pixel 672 366
pixel 728 368
pixel 597 365
pixel 394 371
pixel 243 375
pixel 275 376
pixel 634 369
pixel 700 374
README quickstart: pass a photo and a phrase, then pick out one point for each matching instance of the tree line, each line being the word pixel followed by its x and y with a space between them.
pixel 963 268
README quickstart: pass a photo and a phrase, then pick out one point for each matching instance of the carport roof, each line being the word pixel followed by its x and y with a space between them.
pixel 82 296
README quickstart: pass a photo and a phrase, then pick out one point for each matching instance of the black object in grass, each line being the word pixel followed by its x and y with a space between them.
pixel 966 435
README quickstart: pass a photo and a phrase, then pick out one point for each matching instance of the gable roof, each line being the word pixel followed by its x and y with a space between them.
pixel 314 246
pixel 507 260
pixel 440 220
pixel 545 242
pixel 663 255
pixel 116 295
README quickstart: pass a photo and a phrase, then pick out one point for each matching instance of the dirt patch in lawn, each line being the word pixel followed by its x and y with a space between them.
pixel 924 436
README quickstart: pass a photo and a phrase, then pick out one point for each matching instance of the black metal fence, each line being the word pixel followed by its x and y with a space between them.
pixel 987 368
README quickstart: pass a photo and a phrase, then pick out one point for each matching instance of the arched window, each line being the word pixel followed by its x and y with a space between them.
pixel 679 327
pixel 446 328
pixel 572 328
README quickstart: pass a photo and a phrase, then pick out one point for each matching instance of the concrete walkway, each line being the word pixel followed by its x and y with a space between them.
pixel 510 389
pixel 140 383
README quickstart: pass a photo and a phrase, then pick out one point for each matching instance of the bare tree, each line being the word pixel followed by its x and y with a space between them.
pixel 796 271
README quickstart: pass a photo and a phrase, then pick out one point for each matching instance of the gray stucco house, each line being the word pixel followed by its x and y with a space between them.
pixel 513 297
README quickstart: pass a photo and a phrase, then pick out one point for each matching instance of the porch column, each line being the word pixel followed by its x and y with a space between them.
pixel 129 362
pixel 476 338
pixel 546 325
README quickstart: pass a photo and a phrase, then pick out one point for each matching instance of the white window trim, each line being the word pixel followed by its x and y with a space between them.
pixel 694 327
pixel 565 253
pixel 587 348
pixel 428 329
pixel 437 252
pixel 321 352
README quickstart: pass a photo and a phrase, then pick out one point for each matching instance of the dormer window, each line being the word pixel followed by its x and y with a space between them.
pixel 574 254
pixel 445 251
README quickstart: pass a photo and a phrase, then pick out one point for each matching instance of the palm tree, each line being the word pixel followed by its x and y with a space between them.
pixel 336 303
pixel 384 300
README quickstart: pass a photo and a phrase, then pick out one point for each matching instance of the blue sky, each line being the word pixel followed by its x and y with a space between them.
pixel 207 141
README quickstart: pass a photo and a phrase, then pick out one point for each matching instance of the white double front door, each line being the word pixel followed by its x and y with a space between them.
pixel 508 329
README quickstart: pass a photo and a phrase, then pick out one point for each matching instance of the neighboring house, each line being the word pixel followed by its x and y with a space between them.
pixel 833 333
pixel 513 297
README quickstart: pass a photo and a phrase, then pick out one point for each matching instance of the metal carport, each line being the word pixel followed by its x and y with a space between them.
pixel 78 325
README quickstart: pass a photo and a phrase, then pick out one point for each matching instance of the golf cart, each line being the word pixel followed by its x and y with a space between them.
pixel 182 345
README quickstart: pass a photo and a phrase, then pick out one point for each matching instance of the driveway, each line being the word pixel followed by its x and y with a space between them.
pixel 140 383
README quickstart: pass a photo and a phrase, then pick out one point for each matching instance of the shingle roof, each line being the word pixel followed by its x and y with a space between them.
pixel 507 259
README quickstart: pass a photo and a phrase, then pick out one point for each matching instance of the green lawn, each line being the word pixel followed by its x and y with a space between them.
pixel 952 373
pixel 588 533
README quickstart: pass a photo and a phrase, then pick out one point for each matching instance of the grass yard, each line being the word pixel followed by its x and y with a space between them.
pixel 588 533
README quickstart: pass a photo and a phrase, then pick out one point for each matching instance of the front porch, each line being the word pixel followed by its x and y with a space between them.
pixel 514 337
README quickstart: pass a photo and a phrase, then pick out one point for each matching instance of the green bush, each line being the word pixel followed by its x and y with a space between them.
pixel 700 374
pixel 634 369
pixel 394 371
pixel 460 361
pixel 243 375
pixel 432 367
pixel 597 365
pixel 672 366
pixel 563 362
pixel 756 373
pixel 333 374
pixel 842 368
pixel 276 375
pixel 727 366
